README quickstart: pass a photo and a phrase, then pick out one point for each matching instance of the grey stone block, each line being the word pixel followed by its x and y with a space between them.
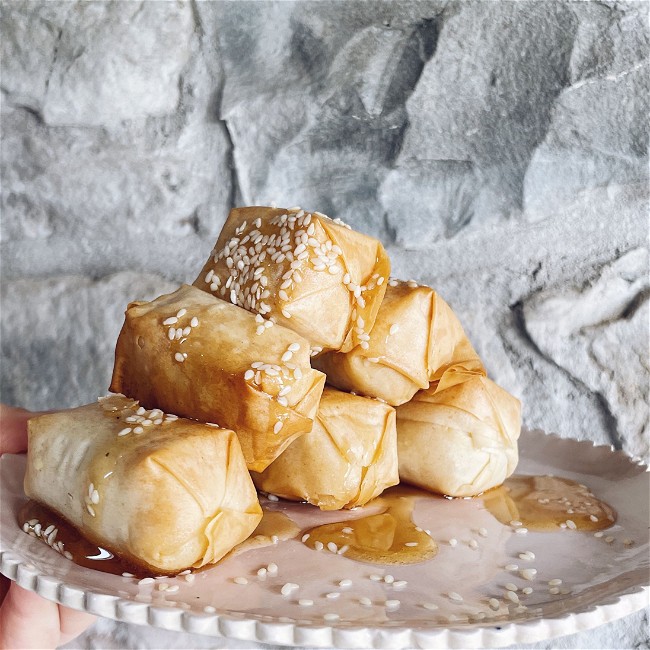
pixel 59 334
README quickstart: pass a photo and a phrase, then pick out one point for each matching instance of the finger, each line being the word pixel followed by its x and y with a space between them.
pixel 28 621
pixel 73 623
pixel 13 429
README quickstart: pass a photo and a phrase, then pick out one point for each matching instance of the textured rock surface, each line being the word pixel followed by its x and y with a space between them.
pixel 499 149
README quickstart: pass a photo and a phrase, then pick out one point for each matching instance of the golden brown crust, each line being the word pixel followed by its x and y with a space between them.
pixel 415 338
pixel 307 272
pixel 213 379
pixel 459 437
pixel 165 496
pixel 349 458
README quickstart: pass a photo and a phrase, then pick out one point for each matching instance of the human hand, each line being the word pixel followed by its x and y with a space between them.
pixel 26 619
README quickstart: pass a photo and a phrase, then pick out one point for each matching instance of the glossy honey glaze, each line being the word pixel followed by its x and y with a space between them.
pixel 389 537
pixel 275 527
pixel 35 519
pixel 546 503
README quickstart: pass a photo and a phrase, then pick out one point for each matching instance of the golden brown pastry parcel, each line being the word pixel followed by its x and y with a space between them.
pixel 162 492
pixel 194 355
pixel 303 270
pixel 458 437
pixel 349 457
pixel 415 338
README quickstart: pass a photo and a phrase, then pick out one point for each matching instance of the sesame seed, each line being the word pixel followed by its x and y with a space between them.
pixel 124 432
pixel 512 596
pixel 521 531
pixel 331 617
pixel 392 604
pixel 554 591
pixel 305 602
pixel 138 430
pixel 277 427
pixel 375 577
pixel 527 590
pixel 453 541
pixel 609 540
pixel 571 524
pixel 262 572
pixel 249 374
pixel 556 582
pixel 163 586
pixel 333 595
pixel 288 588
pixel 345 583
pixel 394 328
pixel 399 584
pixel 528 574
pixel 170 321
pixel 347 530
pixel 473 544
pixel 331 546
pixel 593 518
pixel 209 609
pixel 91 510
pixel 305 537
pixel 430 606
pixel 179 357
pixel 527 555
pixel 510 586
pixel 318 546
pixel 240 580
pixel 272 568
pixel 455 597
pixel 94 498
pixel 343 550
pixel 388 579
pixel 181 313
pixel 483 532
pixel 494 604
pixel 515 523
pixel 171 333
pixel 190 577
pixel 146 581
pixel 410 544
pixel 365 601
pixel 511 567
pixel 272 497
pixel 287 356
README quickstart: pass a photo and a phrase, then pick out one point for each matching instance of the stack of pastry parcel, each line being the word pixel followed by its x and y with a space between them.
pixel 220 388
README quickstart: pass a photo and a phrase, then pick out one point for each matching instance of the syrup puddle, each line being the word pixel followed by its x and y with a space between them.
pixel 544 503
pixel 389 537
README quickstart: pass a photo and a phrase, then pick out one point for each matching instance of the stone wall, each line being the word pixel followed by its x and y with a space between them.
pixel 499 149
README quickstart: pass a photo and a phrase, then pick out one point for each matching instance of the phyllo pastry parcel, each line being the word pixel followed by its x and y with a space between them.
pixel 459 437
pixel 202 358
pixel 415 338
pixel 161 492
pixel 349 457
pixel 302 270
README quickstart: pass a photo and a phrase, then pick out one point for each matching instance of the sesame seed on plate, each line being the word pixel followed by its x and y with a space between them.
pixel 528 574
pixel 430 606
pixel 494 604
pixel 556 582
pixel 510 586
pixel 364 601
pixel 272 497
pixel 272 568
pixel 554 591
pixel 392 604
pixel 209 609
pixel 332 595
pixel 527 590
pixel 453 541
pixel 456 597
pixel 345 583
pixel 288 588
pixel 331 617
pixel 512 596
pixel 305 602
pixel 240 580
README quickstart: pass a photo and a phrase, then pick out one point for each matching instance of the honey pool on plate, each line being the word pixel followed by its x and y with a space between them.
pixel 388 537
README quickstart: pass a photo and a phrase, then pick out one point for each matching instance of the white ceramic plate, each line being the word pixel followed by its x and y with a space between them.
pixel 601 580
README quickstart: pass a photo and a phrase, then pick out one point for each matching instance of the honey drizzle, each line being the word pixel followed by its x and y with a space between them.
pixel 380 538
pixel 84 552
pixel 544 503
